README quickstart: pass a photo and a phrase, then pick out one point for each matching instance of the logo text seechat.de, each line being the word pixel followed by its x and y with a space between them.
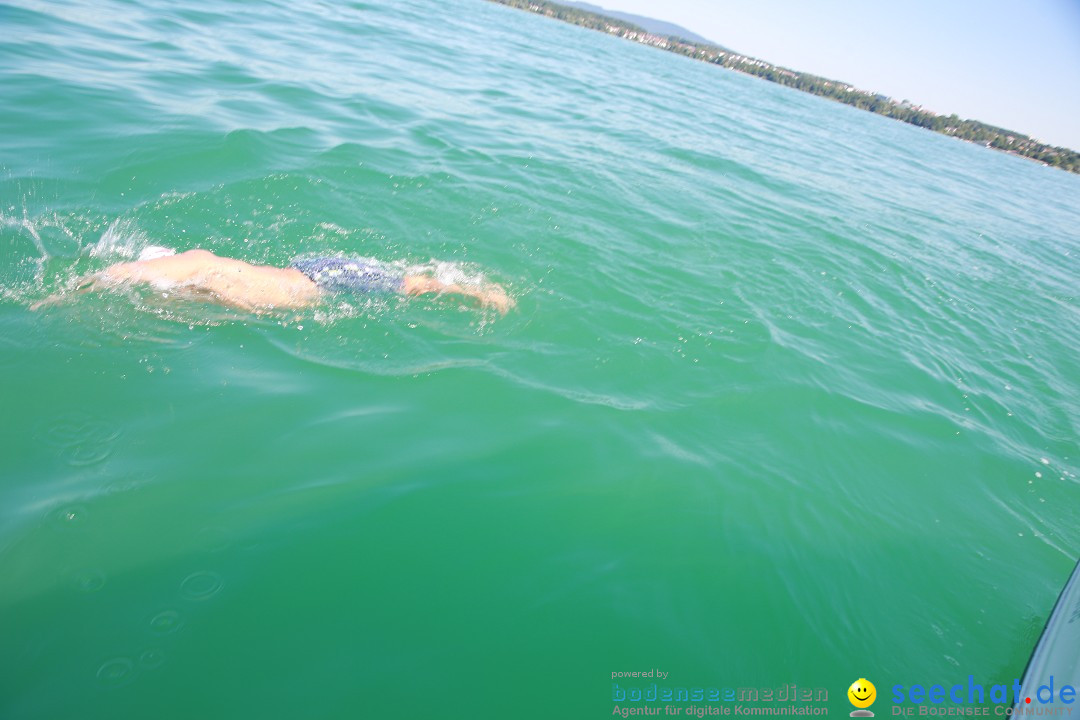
pixel 973 692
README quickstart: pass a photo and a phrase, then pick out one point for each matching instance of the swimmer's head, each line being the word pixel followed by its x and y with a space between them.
pixel 152 252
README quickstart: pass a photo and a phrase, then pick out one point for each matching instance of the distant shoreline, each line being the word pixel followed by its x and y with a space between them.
pixel 973 131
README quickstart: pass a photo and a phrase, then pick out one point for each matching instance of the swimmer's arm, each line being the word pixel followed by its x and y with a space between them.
pixel 85 284
pixel 489 296
pixel 109 277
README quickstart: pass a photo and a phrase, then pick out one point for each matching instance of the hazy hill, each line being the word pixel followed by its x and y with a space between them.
pixel 657 27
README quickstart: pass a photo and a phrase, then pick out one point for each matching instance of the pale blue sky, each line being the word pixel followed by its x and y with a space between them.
pixel 1011 64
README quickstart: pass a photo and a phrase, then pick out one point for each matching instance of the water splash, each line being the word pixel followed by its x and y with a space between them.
pixel 122 240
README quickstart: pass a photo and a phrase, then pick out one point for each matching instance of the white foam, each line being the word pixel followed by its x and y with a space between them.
pixel 448 273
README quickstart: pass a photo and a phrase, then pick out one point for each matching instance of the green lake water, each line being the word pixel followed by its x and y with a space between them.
pixel 790 394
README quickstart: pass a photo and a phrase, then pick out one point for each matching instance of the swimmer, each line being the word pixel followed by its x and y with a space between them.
pixel 244 286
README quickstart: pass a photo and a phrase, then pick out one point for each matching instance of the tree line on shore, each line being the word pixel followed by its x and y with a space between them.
pixel 970 130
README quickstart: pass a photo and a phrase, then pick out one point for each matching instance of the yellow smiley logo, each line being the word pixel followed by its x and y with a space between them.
pixel 862 693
